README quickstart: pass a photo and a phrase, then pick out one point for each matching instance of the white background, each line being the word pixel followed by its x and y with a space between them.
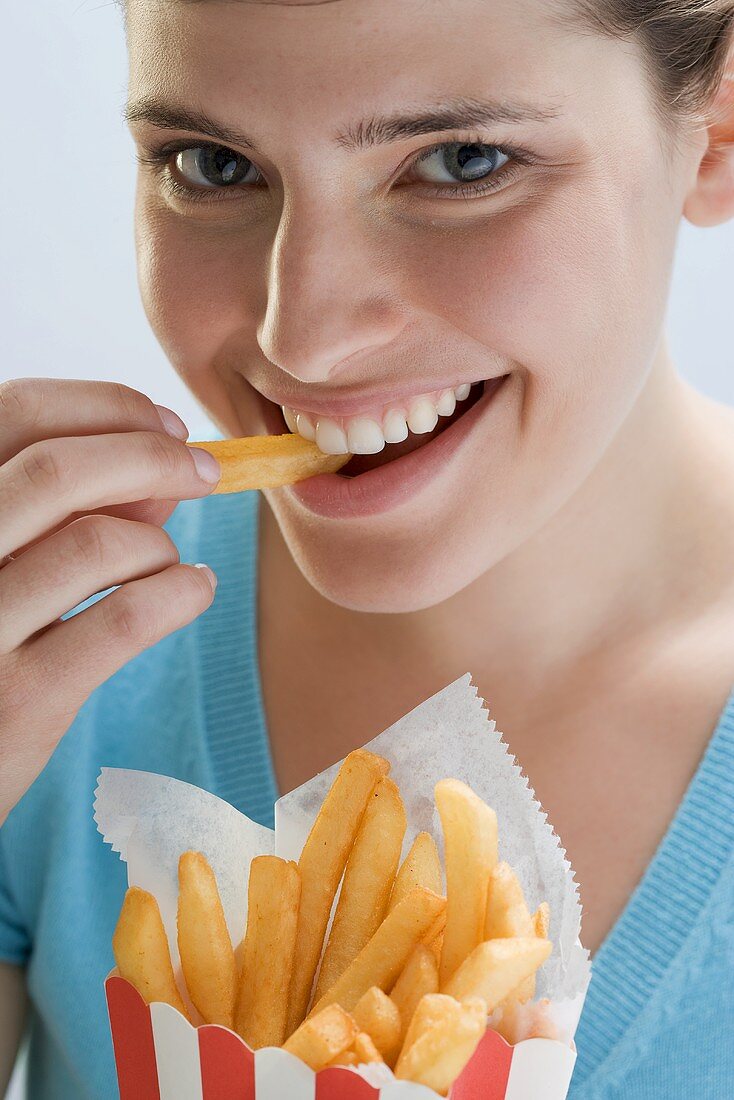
pixel 69 302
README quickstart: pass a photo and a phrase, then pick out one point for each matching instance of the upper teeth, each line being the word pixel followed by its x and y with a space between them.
pixel 366 435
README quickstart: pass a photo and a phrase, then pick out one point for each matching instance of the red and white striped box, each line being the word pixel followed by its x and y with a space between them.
pixel 151 819
pixel 160 1056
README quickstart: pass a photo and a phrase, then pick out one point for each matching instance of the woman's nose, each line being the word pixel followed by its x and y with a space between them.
pixel 329 296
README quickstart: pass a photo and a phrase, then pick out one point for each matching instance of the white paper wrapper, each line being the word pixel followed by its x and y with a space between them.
pixel 150 820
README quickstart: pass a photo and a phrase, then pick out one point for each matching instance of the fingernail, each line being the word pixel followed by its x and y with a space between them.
pixel 172 423
pixel 207 466
pixel 208 573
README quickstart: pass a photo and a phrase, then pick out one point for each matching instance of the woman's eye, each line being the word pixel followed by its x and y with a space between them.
pixel 460 162
pixel 214 166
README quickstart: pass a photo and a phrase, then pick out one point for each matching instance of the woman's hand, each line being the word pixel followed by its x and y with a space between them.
pixel 89 471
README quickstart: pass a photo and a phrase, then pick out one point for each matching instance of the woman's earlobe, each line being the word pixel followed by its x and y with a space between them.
pixel 711 199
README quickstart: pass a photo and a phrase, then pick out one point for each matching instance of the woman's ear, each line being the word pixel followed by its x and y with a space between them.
pixel 711 199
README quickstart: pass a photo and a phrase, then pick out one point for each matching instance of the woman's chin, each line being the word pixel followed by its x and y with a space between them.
pixel 399 578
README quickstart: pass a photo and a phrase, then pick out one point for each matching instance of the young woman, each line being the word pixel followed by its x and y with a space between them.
pixel 360 211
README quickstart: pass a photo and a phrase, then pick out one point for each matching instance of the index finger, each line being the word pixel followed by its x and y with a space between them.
pixel 32 409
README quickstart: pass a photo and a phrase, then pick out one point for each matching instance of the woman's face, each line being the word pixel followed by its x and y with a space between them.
pixel 327 267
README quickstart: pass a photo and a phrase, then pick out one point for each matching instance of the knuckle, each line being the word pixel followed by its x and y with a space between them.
pixel 99 543
pixel 165 544
pixel 165 455
pixel 20 401
pixel 93 539
pixel 131 404
pixel 18 687
pixel 129 621
pixel 42 468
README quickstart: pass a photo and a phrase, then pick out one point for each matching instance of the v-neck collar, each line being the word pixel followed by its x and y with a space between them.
pixel 662 910
pixel 229 670
pixel 665 906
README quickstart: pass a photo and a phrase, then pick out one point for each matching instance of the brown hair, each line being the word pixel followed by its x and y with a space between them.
pixel 685 42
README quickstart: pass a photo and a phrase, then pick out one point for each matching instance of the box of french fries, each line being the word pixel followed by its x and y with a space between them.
pixel 410 929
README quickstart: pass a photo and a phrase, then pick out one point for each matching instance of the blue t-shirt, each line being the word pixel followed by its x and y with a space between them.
pixel 659 1017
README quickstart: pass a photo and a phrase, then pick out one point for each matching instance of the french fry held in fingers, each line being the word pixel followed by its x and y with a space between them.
pixel 470 842
pixel 496 968
pixel 204 944
pixel 323 1037
pixel 379 1016
pixel 267 957
pixel 322 864
pixel 267 461
pixel 441 1039
pixel 419 977
pixel 381 960
pixel 140 947
pixel 368 880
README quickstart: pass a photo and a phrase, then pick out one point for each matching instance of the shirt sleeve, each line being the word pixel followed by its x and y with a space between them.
pixel 14 939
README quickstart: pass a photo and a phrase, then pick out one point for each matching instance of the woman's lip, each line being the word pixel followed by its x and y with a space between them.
pixel 364 404
pixel 387 487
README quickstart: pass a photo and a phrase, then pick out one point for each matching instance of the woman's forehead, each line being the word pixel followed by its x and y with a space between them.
pixel 293 69
pixel 342 48
pixel 361 30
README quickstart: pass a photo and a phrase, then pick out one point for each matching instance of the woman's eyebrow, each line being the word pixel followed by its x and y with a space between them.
pixel 455 114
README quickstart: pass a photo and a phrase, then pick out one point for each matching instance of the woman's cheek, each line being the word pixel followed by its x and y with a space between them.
pixel 560 289
pixel 199 287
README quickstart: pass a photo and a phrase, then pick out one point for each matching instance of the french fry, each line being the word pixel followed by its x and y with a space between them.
pixel 321 866
pixel 541 920
pixel 508 915
pixel 381 960
pixel 239 955
pixel 507 911
pixel 204 944
pixel 470 842
pixel 421 867
pixel 434 939
pixel 516 1022
pixel 323 1037
pixel 441 1039
pixel 419 977
pixel 366 1050
pixel 379 1016
pixel 140 947
pixel 368 880
pixel 431 1010
pixel 267 958
pixel 346 1058
pixel 267 461
pixel 496 968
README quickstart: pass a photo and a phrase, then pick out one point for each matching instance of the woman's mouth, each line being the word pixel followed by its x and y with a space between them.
pixel 369 484
pixel 391 433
